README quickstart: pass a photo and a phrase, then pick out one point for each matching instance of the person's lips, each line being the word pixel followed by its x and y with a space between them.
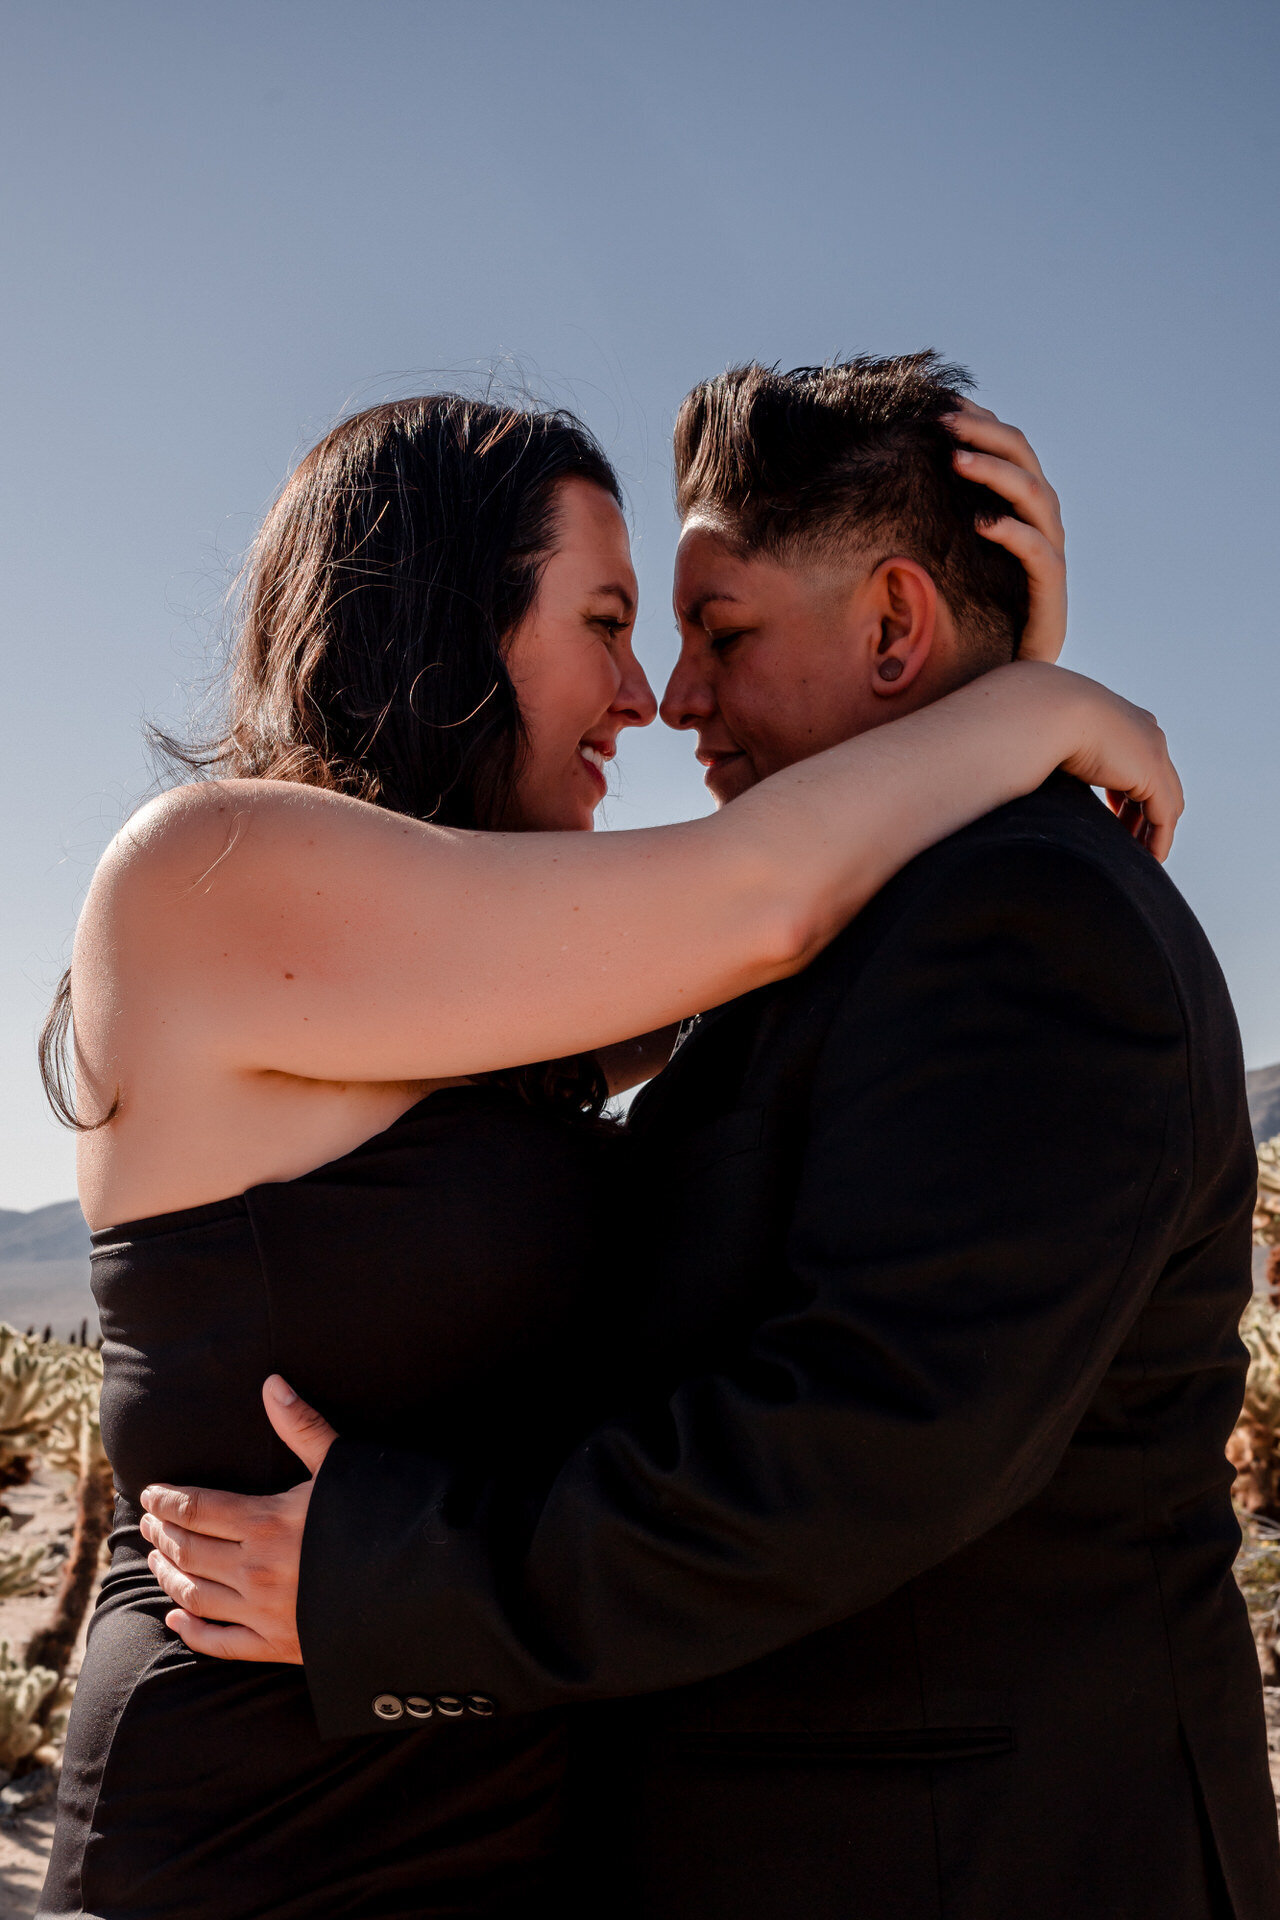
pixel 596 755
pixel 718 765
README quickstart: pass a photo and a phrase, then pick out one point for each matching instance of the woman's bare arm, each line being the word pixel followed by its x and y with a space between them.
pixel 282 929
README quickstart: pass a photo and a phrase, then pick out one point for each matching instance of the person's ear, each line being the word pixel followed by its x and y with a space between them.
pixel 904 606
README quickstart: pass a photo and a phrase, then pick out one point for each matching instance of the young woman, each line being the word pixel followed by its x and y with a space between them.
pixel 343 1020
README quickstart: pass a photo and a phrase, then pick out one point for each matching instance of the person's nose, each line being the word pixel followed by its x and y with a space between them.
pixel 635 704
pixel 689 700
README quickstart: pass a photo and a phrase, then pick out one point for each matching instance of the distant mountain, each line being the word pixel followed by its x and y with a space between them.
pixel 50 1233
pixel 1264 1101
pixel 44 1269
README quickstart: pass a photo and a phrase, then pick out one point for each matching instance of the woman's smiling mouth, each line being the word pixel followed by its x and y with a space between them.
pixel 597 758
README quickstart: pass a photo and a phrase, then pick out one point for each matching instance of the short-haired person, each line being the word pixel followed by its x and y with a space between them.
pixel 896 1575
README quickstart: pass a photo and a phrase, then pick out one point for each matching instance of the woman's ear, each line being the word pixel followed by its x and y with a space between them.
pixel 904 605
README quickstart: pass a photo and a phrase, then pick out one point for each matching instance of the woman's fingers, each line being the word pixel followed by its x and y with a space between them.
pixel 1046 570
pixel 1000 457
pixel 1032 496
pixel 1132 816
pixel 1151 813
pixel 1163 812
pixel 1122 749
pixel 1037 554
pixel 978 427
pixel 213 1637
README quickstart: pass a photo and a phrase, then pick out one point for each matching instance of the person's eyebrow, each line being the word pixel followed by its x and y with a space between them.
pixel 619 592
pixel 694 609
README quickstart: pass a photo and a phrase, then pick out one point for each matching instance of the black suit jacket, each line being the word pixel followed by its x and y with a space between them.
pixel 916 1536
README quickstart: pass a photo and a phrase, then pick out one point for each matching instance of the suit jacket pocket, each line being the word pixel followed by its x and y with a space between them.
pixel 798 1748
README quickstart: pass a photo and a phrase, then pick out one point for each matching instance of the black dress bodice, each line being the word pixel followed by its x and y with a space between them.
pixel 445 1286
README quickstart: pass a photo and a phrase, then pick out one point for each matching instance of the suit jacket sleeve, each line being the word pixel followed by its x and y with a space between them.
pixel 999 1147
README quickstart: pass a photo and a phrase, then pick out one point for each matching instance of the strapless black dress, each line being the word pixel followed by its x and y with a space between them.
pixel 445 1286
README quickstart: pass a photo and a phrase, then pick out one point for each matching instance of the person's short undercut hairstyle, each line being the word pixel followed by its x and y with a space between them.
pixel 853 457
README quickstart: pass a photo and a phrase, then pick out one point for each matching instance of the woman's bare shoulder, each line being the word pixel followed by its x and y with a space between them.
pixel 186 834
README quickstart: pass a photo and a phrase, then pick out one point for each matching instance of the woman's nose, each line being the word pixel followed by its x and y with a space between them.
pixel 636 704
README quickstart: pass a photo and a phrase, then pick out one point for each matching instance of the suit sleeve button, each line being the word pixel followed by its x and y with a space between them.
pixel 417 1706
pixel 388 1706
pixel 449 1705
pixel 481 1705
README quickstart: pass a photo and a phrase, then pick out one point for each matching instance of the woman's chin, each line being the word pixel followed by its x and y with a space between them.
pixel 569 816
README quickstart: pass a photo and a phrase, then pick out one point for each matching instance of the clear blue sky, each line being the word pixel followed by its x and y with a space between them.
pixel 223 225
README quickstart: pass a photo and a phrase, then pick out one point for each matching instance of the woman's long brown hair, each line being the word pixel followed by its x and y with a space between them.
pixel 373 616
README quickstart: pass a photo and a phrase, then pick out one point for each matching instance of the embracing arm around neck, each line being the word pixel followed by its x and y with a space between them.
pixel 287 930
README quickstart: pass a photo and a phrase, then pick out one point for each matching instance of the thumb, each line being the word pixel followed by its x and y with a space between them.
pixel 303 1430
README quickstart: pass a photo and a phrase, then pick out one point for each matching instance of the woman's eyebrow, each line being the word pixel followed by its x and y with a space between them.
pixel 620 593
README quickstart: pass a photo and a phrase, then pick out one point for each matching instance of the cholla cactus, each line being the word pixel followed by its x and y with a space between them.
pixel 1254 1447
pixel 72 1440
pixel 1266 1213
pixel 25 1693
pixel 29 1401
pixel 21 1569
pixel 1258 1571
pixel 72 1443
pixel 49 1392
pixel 48 1400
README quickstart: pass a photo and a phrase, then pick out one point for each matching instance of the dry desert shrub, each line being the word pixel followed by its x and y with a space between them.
pixel 49 1392
pixel 1254 1447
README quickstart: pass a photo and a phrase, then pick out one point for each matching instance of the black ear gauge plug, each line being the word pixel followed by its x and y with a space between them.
pixel 890 669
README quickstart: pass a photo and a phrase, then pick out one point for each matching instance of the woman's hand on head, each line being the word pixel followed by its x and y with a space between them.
pixel 998 456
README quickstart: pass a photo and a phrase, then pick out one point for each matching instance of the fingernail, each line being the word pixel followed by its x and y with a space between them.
pixel 280 1390
pixel 153 1562
pixel 963 457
